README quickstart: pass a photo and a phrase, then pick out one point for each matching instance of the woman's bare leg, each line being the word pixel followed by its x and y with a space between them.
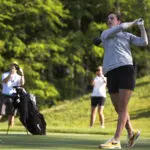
pixel 101 115
pixel 115 101
pixel 93 116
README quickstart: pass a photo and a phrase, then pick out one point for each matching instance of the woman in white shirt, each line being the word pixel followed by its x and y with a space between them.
pixel 10 79
pixel 98 97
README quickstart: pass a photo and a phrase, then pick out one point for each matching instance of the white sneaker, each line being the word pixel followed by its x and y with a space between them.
pixel 110 144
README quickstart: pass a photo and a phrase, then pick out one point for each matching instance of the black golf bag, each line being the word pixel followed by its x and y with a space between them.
pixel 30 117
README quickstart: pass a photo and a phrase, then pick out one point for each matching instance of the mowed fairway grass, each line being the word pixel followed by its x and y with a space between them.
pixel 61 141
pixel 68 125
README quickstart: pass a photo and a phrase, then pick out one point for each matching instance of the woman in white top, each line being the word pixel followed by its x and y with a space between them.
pixel 10 79
pixel 98 97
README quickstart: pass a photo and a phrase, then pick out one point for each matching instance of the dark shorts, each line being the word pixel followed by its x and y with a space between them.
pixel 97 101
pixel 121 78
pixel 6 105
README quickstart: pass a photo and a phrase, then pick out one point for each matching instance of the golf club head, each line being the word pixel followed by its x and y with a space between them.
pixel 96 41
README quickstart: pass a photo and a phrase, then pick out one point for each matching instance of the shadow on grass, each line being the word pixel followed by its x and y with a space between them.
pixel 47 142
pixel 59 142
pixel 4 119
pixel 142 84
pixel 147 96
pixel 141 114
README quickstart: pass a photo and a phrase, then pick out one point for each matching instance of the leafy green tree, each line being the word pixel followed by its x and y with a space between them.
pixel 53 42
pixel 31 35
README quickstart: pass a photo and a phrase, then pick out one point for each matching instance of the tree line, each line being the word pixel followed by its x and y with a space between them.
pixel 52 40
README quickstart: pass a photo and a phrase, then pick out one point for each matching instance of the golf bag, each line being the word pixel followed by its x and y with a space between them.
pixel 30 117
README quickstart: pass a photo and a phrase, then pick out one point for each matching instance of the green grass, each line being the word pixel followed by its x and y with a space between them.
pixel 73 117
pixel 61 141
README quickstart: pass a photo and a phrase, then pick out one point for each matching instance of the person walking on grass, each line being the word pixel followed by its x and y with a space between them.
pixel 119 70
pixel 98 97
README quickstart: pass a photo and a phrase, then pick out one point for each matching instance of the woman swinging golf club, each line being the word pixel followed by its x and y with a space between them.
pixel 119 70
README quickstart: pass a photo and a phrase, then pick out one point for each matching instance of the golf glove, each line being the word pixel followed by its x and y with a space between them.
pixel 140 22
